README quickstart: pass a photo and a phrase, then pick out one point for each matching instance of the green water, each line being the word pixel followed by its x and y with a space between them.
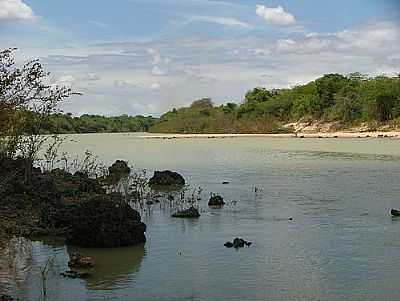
pixel 341 245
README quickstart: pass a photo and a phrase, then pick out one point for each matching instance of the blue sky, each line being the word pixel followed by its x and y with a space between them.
pixel 147 56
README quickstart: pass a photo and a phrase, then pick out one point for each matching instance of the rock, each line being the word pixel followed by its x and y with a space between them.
pixel 104 222
pixel 225 183
pixel 395 212
pixel 238 243
pixel 228 244
pixel 79 261
pixel 74 274
pixel 119 168
pixel 6 298
pixel 216 201
pixel 149 203
pixel 187 213
pixel 166 178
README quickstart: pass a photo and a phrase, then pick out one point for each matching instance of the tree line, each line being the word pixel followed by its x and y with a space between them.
pixel 348 100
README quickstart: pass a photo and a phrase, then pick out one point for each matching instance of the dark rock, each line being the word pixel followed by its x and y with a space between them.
pixel 6 298
pixel 166 178
pixel 225 182
pixel 149 203
pixel 228 244
pixel 248 243
pixel 104 222
pixel 74 274
pixel 238 243
pixel 216 201
pixel 395 212
pixel 119 168
pixel 187 213
pixel 79 261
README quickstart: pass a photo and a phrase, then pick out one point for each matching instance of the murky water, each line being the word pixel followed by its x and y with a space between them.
pixel 341 245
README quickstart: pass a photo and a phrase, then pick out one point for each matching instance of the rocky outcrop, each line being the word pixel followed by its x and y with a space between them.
pixel 104 221
pixel 216 201
pixel 167 178
pixel 187 213
pixel 33 202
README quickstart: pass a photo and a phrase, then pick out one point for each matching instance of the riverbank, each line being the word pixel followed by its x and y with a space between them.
pixel 380 134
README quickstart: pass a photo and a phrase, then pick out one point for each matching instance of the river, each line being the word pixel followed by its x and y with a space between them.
pixel 342 243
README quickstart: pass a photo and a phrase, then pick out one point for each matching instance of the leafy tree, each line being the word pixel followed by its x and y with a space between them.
pixel 27 99
pixel 257 95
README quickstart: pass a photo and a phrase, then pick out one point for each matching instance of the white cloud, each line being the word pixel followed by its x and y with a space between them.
pixel 157 71
pixel 65 80
pixel 15 10
pixel 125 84
pixel 156 56
pixel 155 86
pixel 275 15
pixel 91 77
pixel 222 21
pixel 98 24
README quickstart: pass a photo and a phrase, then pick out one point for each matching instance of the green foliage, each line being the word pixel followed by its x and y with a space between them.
pixel 333 97
pixel 66 124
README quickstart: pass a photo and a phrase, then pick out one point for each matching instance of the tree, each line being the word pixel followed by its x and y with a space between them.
pixel 27 99
pixel 384 105
pixel 327 86
pixel 202 103
pixel 257 95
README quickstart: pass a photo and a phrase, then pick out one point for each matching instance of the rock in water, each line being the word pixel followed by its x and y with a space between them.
pixel 228 244
pixel 74 274
pixel 79 261
pixel 216 201
pixel 187 213
pixel 395 212
pixel 166 178
pixel 238 243
pixel 104 222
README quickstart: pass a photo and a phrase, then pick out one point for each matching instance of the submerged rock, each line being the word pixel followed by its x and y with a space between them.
pixel 166 178
pixel 79 261
pixel 187 213
pixel 74 274
pixel 216 201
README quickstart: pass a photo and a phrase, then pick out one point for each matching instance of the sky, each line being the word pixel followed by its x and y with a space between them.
pixel 148 56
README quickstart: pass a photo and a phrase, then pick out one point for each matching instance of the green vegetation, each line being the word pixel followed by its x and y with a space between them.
pixel 347 100
pixel 67 124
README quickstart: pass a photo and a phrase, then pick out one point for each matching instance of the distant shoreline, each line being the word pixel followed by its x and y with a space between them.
pixel 393 135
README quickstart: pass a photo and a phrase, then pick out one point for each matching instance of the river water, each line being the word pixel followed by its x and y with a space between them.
pixel 342 243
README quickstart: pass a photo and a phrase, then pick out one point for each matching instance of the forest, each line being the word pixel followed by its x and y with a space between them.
pixel 347 100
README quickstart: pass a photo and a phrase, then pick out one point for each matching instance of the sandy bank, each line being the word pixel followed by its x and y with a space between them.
pixel 393 135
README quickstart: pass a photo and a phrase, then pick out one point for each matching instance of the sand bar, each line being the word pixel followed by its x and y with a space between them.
pixel 393 135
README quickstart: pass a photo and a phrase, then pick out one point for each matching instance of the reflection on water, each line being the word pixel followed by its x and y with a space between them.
pixel 114 269
pixel 15 262
pixel 342 243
